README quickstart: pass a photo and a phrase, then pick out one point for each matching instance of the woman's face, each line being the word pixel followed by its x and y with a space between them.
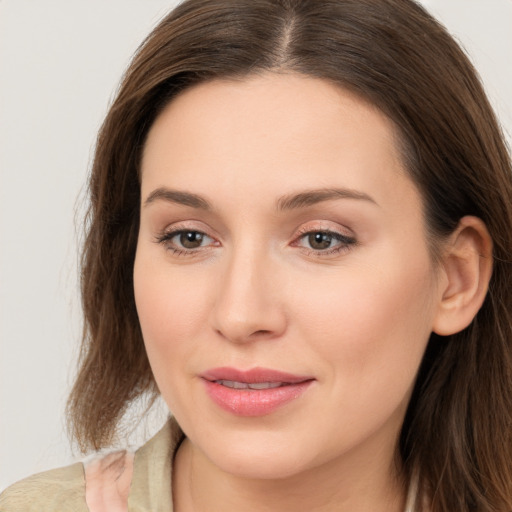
pixel 282 277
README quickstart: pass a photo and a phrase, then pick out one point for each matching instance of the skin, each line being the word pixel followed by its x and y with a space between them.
pixel 356 316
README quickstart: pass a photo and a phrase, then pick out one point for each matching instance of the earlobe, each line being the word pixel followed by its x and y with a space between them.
pixel 467 269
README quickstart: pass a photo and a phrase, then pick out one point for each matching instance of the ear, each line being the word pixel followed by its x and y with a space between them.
pixel 466 269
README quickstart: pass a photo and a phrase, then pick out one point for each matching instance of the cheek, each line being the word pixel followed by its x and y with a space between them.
pixel 371 324
pixel 171 309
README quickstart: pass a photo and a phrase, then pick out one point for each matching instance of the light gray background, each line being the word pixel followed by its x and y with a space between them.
pixel 60 63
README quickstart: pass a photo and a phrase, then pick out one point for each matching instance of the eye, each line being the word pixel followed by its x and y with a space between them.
pixel 190 239
pixel 324 242
pixel 320 240
pixel 185 241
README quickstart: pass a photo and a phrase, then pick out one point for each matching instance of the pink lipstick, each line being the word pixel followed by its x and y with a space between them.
pixel 255 392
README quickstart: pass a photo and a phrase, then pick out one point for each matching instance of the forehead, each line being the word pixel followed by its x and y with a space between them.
pixel 272 131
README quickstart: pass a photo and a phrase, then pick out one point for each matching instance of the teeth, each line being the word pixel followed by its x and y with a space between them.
pixel 253 385
pixel 265 385
pixel 233 384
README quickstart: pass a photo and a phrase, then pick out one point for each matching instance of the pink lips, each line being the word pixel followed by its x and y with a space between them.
pixel 255 392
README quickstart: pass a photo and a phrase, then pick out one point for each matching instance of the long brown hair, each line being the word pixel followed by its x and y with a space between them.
pixel 457 429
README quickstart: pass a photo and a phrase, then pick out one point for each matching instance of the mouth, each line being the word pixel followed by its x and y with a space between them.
pixel 250 386
pixel 255 392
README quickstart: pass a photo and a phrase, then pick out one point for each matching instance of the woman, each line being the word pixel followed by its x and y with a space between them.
pixel 299 235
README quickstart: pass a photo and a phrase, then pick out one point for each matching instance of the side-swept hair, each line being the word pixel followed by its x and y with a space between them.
pixel 392 53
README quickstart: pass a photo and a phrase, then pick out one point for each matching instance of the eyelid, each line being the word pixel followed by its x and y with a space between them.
pixel 338 233
pixel 347 240
pixel 186 225
pixel 326 227
pixel 165 236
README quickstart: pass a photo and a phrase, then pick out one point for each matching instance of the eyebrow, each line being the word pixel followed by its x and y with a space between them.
pixel 284 203
pixel 178 197
pixel 312 197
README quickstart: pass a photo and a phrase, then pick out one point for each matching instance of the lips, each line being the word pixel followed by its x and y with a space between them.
pixel 255 392
pixel 245 385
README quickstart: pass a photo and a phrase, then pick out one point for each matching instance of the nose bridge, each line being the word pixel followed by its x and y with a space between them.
pixel 247 304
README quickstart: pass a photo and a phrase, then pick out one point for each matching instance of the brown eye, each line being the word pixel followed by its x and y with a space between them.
pixel 191 239
pixel 324 243
pixel 186 241
pixel 320 240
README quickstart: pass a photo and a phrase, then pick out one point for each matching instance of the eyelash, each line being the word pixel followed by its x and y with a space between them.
pixel 345 242
pixel 166 237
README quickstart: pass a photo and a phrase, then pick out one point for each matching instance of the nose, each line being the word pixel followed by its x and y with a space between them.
pixel 248 303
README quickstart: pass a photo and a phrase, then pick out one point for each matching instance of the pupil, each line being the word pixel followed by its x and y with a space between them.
pixel 320 240
pixel 191 239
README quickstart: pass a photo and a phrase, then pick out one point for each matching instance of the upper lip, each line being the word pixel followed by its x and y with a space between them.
pixel 253 375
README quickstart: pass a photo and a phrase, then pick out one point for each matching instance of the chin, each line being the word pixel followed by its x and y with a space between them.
pixel 262 456
pixel 262 465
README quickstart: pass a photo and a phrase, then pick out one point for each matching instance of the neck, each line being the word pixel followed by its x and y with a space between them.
pixel 352 484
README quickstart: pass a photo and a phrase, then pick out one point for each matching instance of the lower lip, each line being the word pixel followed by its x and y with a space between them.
pixel 255 402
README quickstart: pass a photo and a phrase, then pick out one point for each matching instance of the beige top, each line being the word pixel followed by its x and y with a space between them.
pixel 64 489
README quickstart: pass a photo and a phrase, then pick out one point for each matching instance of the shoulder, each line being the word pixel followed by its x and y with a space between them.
pixel 151 489
pixel 58 490
pixel 108 481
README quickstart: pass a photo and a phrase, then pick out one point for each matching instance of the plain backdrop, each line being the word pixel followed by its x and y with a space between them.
pixel 60 63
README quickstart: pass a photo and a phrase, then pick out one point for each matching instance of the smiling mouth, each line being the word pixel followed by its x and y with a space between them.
pixel 254 392
pixel 250 386
pixel 255 378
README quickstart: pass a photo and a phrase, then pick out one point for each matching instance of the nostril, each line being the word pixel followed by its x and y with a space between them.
pixel 261 333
